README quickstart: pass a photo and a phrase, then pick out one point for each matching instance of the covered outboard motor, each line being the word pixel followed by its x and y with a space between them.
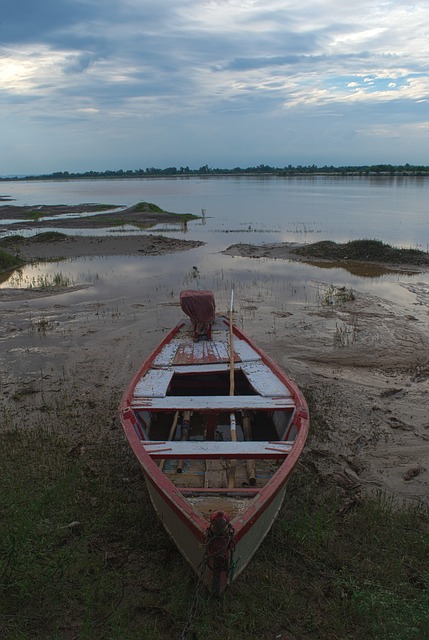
pixel 199 306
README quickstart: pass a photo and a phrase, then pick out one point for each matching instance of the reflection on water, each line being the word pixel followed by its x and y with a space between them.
pixel 363 269
pixel 250 210
pixel 137 277
pixel 5 278
pixel 295 209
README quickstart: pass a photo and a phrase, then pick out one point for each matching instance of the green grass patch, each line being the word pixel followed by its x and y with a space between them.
pixel 83 555
pixel 9 241
pixel 55 280
pixel 35 215
pixel 367 250
pixel 185 217
pixel 148 206
pixel 8 262
pixel 48 236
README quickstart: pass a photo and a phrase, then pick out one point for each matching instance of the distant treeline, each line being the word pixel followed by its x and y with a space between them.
pixel 262 169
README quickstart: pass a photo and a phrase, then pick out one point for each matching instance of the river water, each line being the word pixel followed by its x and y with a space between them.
pixel 240 209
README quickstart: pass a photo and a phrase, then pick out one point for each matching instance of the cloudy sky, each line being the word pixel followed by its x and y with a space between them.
pixel 110 84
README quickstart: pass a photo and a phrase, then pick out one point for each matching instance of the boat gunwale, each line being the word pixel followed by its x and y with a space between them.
pixel 168 491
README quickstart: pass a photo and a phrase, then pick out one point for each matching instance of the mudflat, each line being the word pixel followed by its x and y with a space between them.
pixel 362 361
pixel 142 214
pixel 77 246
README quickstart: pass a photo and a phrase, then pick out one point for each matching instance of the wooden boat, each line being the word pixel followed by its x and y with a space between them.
pixel 217 429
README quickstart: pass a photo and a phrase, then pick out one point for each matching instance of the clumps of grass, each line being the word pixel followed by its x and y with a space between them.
pixel 148 206
pixel 9 241
pixel 334 296
pixel 76 541
pixel 345 334
pixel 362 250
pixel 51 281
pixel 358 567
pixel 8 261
pixel 34 215
pixel 84 556
pixel 48 236
pixel 55 280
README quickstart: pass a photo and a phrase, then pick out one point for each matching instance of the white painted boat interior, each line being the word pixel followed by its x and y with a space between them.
pixel 216 449
pixel 219 448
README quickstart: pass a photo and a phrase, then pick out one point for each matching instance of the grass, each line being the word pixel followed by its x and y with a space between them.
pixel 83 555
pixel 367 250
pixel 48 236
pixel 149 207
pixel 55 280
pixel 35 215
pixel 333 295
pixel 8 261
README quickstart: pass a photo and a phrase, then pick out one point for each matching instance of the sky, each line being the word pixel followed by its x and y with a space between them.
pixel 129 84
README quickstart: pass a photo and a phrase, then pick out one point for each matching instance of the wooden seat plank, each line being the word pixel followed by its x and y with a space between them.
pixel 154 383
pixel 226 403
pixel 263 380
pixel 212 449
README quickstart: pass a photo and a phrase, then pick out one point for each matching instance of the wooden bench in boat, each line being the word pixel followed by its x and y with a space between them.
pixel 223 403
pixel 207 449
pixel 155 382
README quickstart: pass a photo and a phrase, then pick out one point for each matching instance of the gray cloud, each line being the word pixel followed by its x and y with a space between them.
pixel 243 76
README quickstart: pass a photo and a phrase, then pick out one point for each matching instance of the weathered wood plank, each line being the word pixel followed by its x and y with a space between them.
pixel 263 380
pixel 154 383
pixel 215 474
pixel 210 450
pixel 227 403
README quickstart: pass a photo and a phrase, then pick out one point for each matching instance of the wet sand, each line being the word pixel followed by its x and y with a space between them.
pixel 78 246
pixel 142 215
pixel 363 364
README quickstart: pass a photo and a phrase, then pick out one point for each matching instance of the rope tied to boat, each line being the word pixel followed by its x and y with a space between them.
pixel 195 600
pixel 220 543
pixel 218 557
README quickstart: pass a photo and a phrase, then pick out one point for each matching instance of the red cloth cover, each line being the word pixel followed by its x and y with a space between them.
pixel 200 307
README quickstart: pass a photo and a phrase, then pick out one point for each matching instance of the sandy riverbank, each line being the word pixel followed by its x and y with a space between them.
pixel 363 363
pixel 82 246
pixel 142 215
pixel 78 246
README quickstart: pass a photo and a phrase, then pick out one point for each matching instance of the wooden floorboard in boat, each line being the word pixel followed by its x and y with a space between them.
pixel 206 505
pixel 215 474
pixel 192 473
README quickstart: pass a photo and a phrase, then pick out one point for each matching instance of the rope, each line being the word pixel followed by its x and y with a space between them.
pixel 225 535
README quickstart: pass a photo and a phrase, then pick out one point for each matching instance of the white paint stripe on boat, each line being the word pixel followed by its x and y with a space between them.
pixel 245 352
pixel 154 383
pixel 188 449
pixel 166 355
pixel 227 403
pixel 263 380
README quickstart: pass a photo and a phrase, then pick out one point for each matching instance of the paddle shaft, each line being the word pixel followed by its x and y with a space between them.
pixel 231 350
pixel 185 436
pixel 232 421
pixel 170 435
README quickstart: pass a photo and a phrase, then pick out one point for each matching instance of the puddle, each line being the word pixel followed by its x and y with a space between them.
pixel 130 276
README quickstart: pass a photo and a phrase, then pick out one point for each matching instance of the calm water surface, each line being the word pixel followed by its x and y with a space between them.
pixel 246 209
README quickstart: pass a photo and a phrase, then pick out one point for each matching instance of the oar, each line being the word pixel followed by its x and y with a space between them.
pixel 232 421
pixel 231 349
pixel 186 423
pixel 170 436
pixel 250 464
